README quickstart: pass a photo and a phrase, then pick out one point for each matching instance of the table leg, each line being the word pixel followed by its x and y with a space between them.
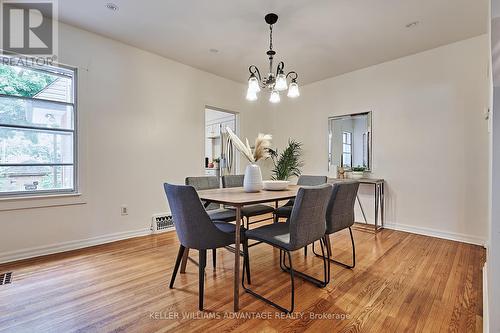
pixel 185 257
pixel 237 261
pixel 382 204
pixel 376 206
pixel 362 209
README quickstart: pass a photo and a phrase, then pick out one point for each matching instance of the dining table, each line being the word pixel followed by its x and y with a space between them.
pixel 236 197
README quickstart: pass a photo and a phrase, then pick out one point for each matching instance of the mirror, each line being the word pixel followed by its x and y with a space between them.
pixel 350 141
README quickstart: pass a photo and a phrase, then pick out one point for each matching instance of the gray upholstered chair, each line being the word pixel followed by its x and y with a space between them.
pixel 304 180
pixel 340 215
pixel 196 230
pixel 247 211
pixel 306 225
pixel 214 211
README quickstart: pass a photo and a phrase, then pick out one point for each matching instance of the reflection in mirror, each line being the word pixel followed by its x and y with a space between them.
pixel 349 143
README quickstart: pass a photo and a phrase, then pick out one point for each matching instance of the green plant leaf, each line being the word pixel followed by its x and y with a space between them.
pixel 288 163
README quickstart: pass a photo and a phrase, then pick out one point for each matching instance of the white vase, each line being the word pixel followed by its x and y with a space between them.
pixel 252 181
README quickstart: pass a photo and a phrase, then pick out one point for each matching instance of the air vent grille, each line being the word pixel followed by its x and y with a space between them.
pixel 162 223
pixel 5 278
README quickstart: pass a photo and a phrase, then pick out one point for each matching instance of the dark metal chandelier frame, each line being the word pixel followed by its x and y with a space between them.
pixel 275 81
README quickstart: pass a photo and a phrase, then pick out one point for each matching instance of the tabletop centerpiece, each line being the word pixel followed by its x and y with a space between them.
pixel 287 164
pixel 252 181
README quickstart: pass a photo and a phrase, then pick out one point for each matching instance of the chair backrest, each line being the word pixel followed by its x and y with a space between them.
pixel 307 220
pixel 311 180
pixel 232 181
pixel 340 211
pixel 192 223
pixel 204 183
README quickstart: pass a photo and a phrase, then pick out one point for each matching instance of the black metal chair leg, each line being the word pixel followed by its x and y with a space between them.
pixel 262 298
pixel 214 257
pixel 201 277
pixel 292 301
pixel 338 262
pixel 305 250
pixel 246 260
pixel 313 280
pixel 180 254
pixel 326 241
pixel 326 260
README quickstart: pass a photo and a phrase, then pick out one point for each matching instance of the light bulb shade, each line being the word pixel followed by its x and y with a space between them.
pixel 253 84
pixel 275 97
pixel 281 84
pixel 251 95
pixel 293 90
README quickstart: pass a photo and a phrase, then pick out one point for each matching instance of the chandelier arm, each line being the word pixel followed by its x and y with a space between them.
pixel 255 71
pixel 292 74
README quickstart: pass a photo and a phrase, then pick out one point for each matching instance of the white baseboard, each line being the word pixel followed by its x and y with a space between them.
pixel 437 233
pixel 71 245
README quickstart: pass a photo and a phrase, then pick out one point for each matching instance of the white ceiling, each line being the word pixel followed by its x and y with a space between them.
pixel 318 39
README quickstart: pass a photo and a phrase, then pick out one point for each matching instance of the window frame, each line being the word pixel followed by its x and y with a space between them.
pixel 346 134
pixel 74 103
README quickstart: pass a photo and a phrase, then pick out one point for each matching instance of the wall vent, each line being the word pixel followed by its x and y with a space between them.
pixel 162 223
pixel 5 278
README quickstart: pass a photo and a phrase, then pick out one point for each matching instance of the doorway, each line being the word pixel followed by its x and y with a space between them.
pixel 220 157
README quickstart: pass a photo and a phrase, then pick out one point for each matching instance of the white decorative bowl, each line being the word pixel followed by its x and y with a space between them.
pixel 275 185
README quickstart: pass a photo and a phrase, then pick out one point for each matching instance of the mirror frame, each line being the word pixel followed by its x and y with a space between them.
pixel 370 136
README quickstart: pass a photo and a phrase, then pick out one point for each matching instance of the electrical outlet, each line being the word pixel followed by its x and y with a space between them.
pixel 124 210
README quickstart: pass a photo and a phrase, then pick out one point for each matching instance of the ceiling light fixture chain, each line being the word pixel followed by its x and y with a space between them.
pixel 271 37
pixel 275 83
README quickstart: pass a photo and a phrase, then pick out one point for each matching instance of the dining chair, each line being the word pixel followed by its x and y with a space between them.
pixel 340 215
pixel 306 225
pixel 196 230
pixel 247 212
pixel 215 212
pixel 304 180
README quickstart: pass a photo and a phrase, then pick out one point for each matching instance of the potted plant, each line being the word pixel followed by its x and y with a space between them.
pixel 288 163
pixel 358 172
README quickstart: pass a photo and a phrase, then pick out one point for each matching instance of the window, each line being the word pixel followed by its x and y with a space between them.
pixel 346 150
pixel 37 129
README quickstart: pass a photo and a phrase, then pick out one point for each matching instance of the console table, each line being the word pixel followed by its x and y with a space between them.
pixel 379 193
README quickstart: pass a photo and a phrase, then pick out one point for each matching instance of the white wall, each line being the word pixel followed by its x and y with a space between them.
pixel 141 123
pixel 430 139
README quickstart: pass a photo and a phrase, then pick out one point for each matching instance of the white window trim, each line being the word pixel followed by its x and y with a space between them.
pixel 41 201
pixel 65 194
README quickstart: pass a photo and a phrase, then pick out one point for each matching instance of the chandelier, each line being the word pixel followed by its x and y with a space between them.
pixel 273 82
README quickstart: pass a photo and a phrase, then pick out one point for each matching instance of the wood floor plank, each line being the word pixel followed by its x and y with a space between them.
pixel 401 282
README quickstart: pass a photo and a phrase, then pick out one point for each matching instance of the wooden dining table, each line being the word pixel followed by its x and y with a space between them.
pixel 238 198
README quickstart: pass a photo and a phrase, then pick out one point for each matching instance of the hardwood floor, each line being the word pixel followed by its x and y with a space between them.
pixel 401 282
